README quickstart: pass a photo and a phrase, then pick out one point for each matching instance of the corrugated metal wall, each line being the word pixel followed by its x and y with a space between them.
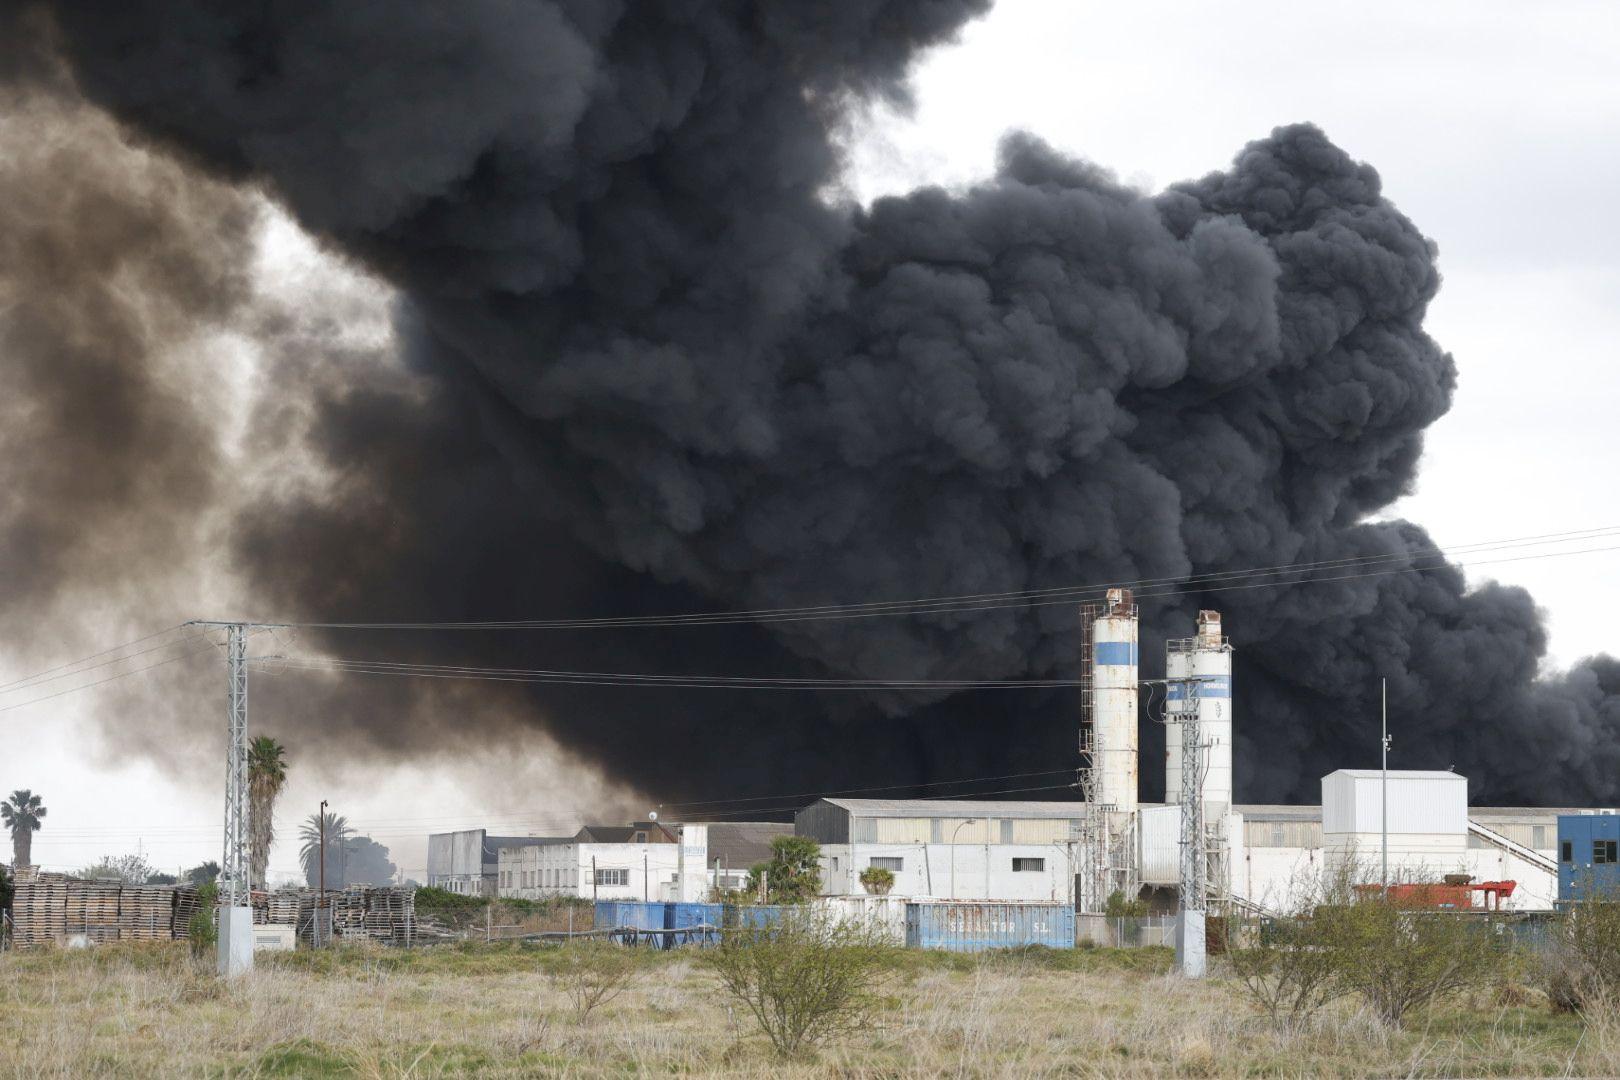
pixel 823 822
pixel 1418 803
pixel 978 927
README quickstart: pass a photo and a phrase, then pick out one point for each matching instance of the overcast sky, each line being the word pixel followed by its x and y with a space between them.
pixel 1493 127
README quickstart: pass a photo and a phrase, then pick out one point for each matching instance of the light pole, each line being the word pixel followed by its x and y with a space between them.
pixel 320 938
pixel 1383 782
pixel 954 832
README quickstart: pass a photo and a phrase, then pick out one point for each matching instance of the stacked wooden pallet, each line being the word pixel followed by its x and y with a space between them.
pixel 146 913
pixel 186 904
pixel 281 907
pixel 391 915
pixel 94 904
pixel 39 909
pixel 349 913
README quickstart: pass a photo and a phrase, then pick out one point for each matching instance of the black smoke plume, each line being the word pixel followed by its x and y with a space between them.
pixel 666 367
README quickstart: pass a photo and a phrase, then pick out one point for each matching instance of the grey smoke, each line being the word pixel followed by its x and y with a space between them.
pixel 670 369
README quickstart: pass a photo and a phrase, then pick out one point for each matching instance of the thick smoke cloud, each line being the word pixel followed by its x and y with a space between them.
pixel 665 367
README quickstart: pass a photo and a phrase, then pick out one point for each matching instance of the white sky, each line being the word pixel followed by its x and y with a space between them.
pixel 1493 127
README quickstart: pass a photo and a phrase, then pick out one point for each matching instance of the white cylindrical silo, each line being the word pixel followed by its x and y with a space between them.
pixel 1114 690
pixel 1208 657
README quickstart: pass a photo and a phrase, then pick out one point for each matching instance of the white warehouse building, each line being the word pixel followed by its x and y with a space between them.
pixel 947 849
pixel 1004 850
pixel 646 860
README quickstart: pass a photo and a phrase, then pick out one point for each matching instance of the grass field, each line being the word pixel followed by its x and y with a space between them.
pixel 493 1011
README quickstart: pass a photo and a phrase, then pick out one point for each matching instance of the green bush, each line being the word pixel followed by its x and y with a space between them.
pixel 793 874
pixel 1582 969
pixel 1342 938
pixel 591 974
pixel 1119 906
pixel 204 933
pixel 877 881
pixel 806 978
pixel 431 901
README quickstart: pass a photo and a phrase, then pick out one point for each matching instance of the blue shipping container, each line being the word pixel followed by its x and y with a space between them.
pixel 1588 855
pixel 682 916
pixel 753 915
pixel 975 927
pixel 629 914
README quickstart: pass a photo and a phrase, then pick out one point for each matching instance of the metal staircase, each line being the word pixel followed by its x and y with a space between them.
pixel 1514 848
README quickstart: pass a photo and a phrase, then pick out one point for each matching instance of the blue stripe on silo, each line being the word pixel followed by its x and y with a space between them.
pixel 1116 652
pixel 1207 688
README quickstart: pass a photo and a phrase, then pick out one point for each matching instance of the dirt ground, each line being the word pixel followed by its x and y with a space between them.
pixel 496 1011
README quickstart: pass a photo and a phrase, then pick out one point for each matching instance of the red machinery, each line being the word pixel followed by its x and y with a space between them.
pixel 1451 895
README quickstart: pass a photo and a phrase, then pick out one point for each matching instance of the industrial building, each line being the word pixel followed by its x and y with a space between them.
pixel 1588 856
pixel 1197 850
pixel 948 848
pixel 645 860
pixel 467 861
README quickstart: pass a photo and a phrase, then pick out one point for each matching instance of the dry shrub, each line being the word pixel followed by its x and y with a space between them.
pixel 806 978
pixel 1344 939
pixel 1583 966
pixel 591 974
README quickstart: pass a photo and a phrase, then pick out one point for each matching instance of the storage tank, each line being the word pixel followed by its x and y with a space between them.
pixel 1208 657
pixel 1114 689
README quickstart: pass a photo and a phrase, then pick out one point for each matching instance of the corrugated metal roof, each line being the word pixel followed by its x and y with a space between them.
pixel 958 808
pixel 499 842
pixel 1400 774
pixel 1286 812
pixel 743 843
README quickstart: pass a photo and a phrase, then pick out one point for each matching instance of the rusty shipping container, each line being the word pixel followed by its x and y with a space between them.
pixel 976 927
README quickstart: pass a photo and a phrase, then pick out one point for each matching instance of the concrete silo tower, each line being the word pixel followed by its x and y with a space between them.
pixel 1108 746
pixel 1206 657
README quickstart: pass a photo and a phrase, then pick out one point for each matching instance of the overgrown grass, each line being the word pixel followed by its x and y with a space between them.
pixel 495 1011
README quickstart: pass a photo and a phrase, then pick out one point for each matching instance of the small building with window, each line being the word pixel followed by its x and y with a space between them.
pixel 645 860
pixel 1588 856
pixel 947 848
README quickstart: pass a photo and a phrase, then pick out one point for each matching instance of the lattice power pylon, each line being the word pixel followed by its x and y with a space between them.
pixel 233 866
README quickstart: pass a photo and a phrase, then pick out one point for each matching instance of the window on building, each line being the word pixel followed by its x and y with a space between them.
pixel 612 877
pixel 1566 851
pixel 1604 851
pixel 1277 837
pixel 1029 865
pixel 1538 837
pixel 641 838
pixel 887 862
pixel 835 864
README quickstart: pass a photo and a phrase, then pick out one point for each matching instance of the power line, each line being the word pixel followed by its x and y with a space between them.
pixel 1192 583
pixel 725 682
pixel 610 678
pixel 17 683
pixel 108 679
pixel 105 663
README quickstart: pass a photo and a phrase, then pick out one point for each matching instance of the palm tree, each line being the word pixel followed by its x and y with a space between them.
pixel 267 775
pixel 21 814
pixel 337 842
